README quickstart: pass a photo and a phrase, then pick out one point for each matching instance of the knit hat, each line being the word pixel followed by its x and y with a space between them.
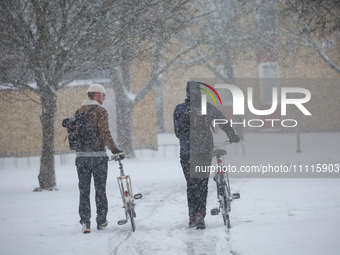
pixel 96 88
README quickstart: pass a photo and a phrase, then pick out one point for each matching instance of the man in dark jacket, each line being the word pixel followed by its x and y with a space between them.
pixel 93 160
pixel 196 142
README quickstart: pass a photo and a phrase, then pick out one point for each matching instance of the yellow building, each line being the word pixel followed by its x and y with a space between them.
pixel 21 131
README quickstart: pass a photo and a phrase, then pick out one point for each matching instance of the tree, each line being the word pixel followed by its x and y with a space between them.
pixel 313 24
pixel 146 40
pixel 228 31
pixel 224 30
pixel 47 44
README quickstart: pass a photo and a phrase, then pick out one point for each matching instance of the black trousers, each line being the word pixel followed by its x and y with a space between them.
pixel 86 167
pixel 197 185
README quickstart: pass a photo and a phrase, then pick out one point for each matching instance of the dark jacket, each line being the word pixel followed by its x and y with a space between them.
pixel 181 118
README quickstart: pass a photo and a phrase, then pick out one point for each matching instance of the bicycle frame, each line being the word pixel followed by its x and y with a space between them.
pixel 224 195
pixel 223 191
pixel 125 188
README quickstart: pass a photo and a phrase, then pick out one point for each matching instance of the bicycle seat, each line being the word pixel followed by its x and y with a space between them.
pixel 218 153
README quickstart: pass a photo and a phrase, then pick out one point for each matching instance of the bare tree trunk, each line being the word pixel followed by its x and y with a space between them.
pixel 124 109
pixel 124 124
pixel 159 105
pixel 47 179
pixel 125 100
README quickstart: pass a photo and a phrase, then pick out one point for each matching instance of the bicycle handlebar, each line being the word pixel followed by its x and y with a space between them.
pixel 118 156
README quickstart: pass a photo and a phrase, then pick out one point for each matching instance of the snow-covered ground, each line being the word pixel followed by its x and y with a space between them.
pixel 274 215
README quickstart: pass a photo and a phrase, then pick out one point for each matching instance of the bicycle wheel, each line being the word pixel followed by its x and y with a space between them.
pixel 226 221
pixel 132 220
pixel 225 215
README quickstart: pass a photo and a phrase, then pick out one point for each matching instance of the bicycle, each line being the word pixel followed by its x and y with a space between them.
pixel 224 195
pixel 125 187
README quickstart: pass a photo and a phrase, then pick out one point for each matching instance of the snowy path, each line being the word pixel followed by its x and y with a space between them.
pixel 274 216
pixel 162 227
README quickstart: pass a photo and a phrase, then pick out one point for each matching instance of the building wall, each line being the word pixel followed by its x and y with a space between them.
pixel 312 73
pixel 144 112
pixel 21 130
pixel 20 127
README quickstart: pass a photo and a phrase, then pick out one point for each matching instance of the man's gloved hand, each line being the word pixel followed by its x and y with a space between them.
pixel 116 151
pixel 234 139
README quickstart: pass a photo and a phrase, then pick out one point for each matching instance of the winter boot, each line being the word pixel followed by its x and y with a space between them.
pixel 86 227
pixel 200 224
pixel 102 226
pixel 192 221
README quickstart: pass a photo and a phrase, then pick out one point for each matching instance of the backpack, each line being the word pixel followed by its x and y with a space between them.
pixel 201 141
pixel 80 131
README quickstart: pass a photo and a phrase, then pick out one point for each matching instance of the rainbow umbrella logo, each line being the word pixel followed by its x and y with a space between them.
pixel 209 93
